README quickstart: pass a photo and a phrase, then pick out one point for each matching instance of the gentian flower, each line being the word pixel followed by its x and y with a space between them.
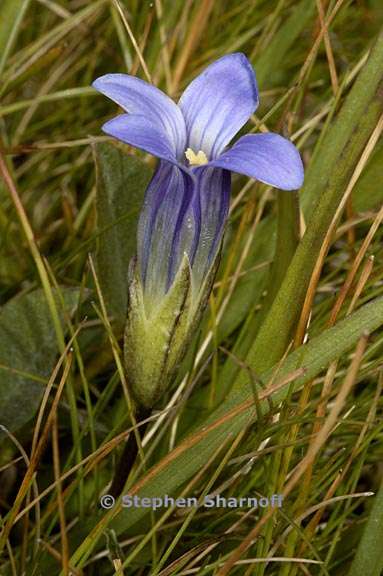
pixel 187 201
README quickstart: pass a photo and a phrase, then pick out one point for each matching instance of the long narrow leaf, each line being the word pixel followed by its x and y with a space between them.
pixel 325 185
pixel 369 558
pixel 232 416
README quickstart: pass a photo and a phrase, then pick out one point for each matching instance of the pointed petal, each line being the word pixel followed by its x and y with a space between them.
pixel 187 229
pixel 139 132
pixel 218 103
pixel 140 98
pixel 269 158
pixel 164 233
pixel 213 186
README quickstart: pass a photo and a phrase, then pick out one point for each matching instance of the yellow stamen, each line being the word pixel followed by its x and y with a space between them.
pixel 196 159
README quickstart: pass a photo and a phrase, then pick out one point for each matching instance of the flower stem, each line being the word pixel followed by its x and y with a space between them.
pixel 128 456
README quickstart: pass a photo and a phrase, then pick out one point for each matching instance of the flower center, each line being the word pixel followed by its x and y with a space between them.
pixel 196 159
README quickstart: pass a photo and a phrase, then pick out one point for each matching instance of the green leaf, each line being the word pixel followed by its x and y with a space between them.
pixel 250 286
pixel 121 183
pixel 235 413
pixel 12 13
pixel 270 279
pixel 324 187
pixel 287 239
pixel 335 156
pixel 369 558
pixel 271 64
pixel 28 351
pixel 368 192
pixel 45 45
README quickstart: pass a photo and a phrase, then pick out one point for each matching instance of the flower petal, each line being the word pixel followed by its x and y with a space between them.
pixel 181 215
pixel 187 228
pixel 218 103
pixel 213 190
pixel 139 132
pixel 140 98
pixel 269 158
pixel 164 233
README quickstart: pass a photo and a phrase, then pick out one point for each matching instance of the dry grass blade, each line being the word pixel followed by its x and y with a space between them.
pixel 40 447
pixel 317 444
pixel 133 40
pixel 280 391
pixel 326 244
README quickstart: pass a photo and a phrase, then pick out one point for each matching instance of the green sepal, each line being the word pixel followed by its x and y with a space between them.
pixel 156 343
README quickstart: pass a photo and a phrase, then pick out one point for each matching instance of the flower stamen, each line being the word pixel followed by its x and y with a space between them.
pixel 196 159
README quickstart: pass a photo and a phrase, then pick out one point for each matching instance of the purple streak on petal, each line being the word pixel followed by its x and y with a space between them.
pixel 140 98
pixel 269 158
pixel 214 193
pixel 139 132
pixel 187 229
pixel 218 103
pixel 197 218
pixel 154 196
pixel 217 210
pixel 163 215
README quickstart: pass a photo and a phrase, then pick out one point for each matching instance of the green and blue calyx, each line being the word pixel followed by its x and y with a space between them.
pixel 186 203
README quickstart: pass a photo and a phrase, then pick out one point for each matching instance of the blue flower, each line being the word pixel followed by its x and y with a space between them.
pixel 187 201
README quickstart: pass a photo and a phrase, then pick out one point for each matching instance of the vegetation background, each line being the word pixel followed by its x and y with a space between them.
pixel 281 390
